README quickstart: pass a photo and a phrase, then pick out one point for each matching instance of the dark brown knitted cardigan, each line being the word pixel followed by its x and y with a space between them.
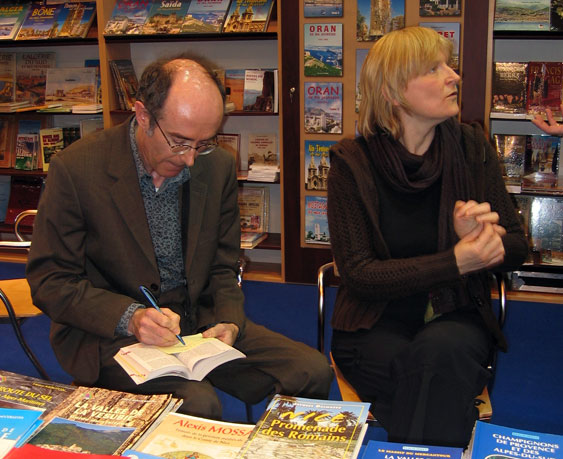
pixel 369 277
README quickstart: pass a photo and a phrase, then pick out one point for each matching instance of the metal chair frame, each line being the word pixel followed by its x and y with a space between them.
pixel 482 401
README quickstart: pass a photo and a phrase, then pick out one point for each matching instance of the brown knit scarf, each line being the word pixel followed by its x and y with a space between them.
pixel 445 159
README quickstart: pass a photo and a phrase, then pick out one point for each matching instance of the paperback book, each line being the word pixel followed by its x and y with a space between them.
pixel 323 49
pixel 511 152
pixel 254 205
pixel 545 86
pixel 322 8
pixel 31 76
pixel 75 19
pixel 387 450
pixel 323 108
pixel 451 31
pixel 435 8
pixel 11 19
pixel 101 421
pixel 71 86
pixel 248 16
pixel 260 90
pixel 556 16
pixel 372 23
pixel 494 441
pixel 546 229
pixel 251 240
pixel 307 428
pixel 509 87
pixel 15 424
pixel 180 435
pixel 542 154
pixel 7 77
pixel 27 149
pixel 192 360
pixel 234 87
pixel 52 142
pixel 29 393
pixel 317 164
pixel 166 17
pixel 128 17
pixel 316 220
pixel 521 15
pixel 204 16
pixel 126 82
pixel 40 22
pixel 230 143
pixel 262 149
pixel 24 194
pixel 6 141
pixel 361 54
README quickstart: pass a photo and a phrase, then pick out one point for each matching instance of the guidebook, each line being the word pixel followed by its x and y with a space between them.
pixel 387 450
pixel 499 442
pixel 183 436
pixel 14 424
pixel 323 49
pixel 101 421
pixel 307 428
pixel 323 108
pixel 192 360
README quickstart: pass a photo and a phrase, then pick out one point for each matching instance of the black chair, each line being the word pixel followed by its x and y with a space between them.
pixel 19 292
pixel 348 393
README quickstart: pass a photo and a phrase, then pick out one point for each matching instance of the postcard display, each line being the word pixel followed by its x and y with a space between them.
pixel 335 38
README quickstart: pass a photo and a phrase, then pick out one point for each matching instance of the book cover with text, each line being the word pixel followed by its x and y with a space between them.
pixel 451 31
pixel 248 16
pixel 387 450
pixel 322 8
pixel 166 17
pixel 41 22
pixel 545 86
pixel 316 220
pixel 75 19
pixel 204 16
pixel 323 108
pixel 303 428
pixel 521 15
pixel 12 16
pixel 31 75
pixel 509 87
pixel 7 77
pixel 317 164
pixel 323 49
pixel 373 23
pixel 128 17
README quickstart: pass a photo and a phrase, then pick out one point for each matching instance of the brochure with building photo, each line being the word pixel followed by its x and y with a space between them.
pixel 316 220
pixel 451 31
pixel 317 164
pixel 323 108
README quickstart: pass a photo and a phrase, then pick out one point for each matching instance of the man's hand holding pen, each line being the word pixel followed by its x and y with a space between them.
pixel 159 328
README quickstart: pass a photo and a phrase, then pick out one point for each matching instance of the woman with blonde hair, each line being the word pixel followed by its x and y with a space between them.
pixel 418 213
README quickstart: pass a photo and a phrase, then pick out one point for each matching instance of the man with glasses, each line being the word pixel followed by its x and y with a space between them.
pixel 153 202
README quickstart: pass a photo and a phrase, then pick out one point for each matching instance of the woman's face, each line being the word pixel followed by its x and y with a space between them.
pixel 432 96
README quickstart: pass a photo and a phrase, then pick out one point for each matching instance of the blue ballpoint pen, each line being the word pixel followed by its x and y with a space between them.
pixel 152 300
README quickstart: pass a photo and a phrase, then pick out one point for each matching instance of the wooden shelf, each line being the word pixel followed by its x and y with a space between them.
pixel 191 37
pixel 526 34
pixel 19 172
pixel 266 272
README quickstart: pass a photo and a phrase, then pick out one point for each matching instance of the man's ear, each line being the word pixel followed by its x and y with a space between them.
pixel 142 115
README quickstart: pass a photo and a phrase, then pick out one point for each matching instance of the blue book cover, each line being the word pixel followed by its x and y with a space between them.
pixel 322 8
pixel 387 450
pixel 75 19
pixel 11 18
pixel 41 22
pixel 498 442
pixel 317 164
pixel 14 424
pixel 205 17
pixel 316 221
pixel 323 49
pixel 522 15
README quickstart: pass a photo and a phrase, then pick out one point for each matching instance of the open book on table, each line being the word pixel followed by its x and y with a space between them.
pixel 193 360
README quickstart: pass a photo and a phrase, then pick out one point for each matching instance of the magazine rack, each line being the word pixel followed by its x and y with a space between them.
pixel 347 392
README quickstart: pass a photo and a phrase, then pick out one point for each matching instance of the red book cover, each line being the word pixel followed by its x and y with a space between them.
pixel 544 87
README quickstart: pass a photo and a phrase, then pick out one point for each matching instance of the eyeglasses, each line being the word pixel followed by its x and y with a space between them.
pixel 180 149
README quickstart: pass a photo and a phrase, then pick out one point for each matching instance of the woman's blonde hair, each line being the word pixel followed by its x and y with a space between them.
pixel 392 62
